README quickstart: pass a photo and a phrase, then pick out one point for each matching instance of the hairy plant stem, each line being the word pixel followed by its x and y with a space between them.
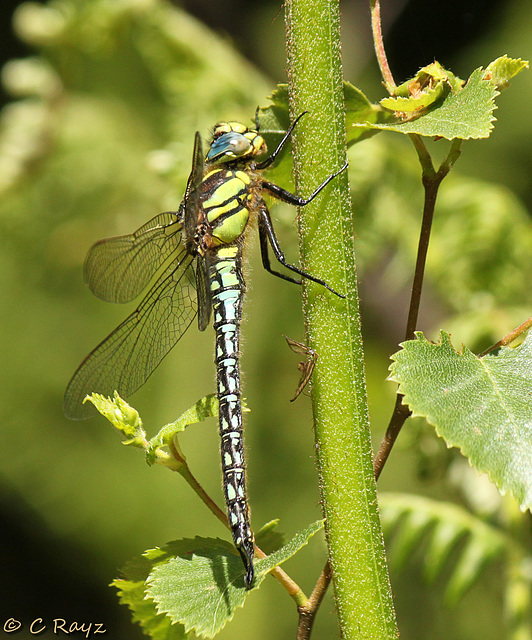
pixel 341 421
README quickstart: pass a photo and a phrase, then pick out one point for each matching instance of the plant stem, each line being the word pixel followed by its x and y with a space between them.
pixel 307 613
pixel 378 43
pixel 354 535
pixel 524 326
pixel 191 480
pixel 431 183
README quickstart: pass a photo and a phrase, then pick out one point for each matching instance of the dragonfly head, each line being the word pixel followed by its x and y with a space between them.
pixel 232 141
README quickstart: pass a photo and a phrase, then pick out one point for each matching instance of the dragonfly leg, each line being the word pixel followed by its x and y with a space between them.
pixel 291 198
pixel 266 163
pixel 263 237
pixel 266 229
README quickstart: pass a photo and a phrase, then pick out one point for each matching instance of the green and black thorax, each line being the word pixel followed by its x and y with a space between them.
pixel 229 192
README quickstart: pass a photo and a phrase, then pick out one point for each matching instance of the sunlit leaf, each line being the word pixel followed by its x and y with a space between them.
pixel 200 582
pixel 200 585
pixel 122 416
pixel 265 565
pixel 501 71
pixel 481 405
pixel 132 592
pixel 205 408
pixel 360 113
pixel 423 90
pixel 464 114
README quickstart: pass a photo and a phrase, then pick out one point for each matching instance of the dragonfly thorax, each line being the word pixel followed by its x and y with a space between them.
pixel 226 201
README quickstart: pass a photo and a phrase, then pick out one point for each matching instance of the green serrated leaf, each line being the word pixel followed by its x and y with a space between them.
pixel 501 71
pixel 200 584
pixel 269 539
pixel 423 90
pixel 205 408
pixel 276 117
pixel 359 110
pixel 359 113
pixel 481 405
pixel 132 592
pixel 265 565
pixel 274 122
pixel 464 114
pixel 411 104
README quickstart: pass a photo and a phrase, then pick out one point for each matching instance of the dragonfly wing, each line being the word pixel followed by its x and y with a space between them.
pixel 129 355
pixel 192 192
pixel 204 292
pixel 118 269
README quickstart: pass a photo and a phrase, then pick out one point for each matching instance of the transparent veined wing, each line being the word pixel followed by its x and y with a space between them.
pixel 118 269
pixel 192 192
pixel 190 213
pixel 203 291
pixel 129 355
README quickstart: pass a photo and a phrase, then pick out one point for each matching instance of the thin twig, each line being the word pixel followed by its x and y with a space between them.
pixel 293 589
pixel 378 43
pixel 192 481
pixel 399 416
pixel 431 182
pixel 307 612
pixel 510 337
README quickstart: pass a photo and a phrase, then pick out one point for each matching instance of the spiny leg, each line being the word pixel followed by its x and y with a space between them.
pixel 263 237
pixel 267 233
pixel 266 163
pixel 291 198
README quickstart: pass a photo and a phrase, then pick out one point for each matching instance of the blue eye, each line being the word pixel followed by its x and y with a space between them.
pixel 229 144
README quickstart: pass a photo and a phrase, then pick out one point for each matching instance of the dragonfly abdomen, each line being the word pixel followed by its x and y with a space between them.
pixel 227 287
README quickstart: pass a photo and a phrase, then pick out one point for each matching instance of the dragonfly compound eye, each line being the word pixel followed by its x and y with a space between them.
pixel 229 146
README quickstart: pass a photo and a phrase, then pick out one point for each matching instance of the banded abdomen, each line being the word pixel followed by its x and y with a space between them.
pixel 227 288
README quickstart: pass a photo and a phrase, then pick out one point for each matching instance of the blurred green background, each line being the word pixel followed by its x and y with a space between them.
pixel 96 138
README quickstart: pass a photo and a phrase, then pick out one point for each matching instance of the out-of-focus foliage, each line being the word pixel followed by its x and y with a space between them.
pixel 99 139
pixel 481 243
pixel 408 519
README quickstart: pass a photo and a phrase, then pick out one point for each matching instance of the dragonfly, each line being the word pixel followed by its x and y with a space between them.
pixel 196 254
